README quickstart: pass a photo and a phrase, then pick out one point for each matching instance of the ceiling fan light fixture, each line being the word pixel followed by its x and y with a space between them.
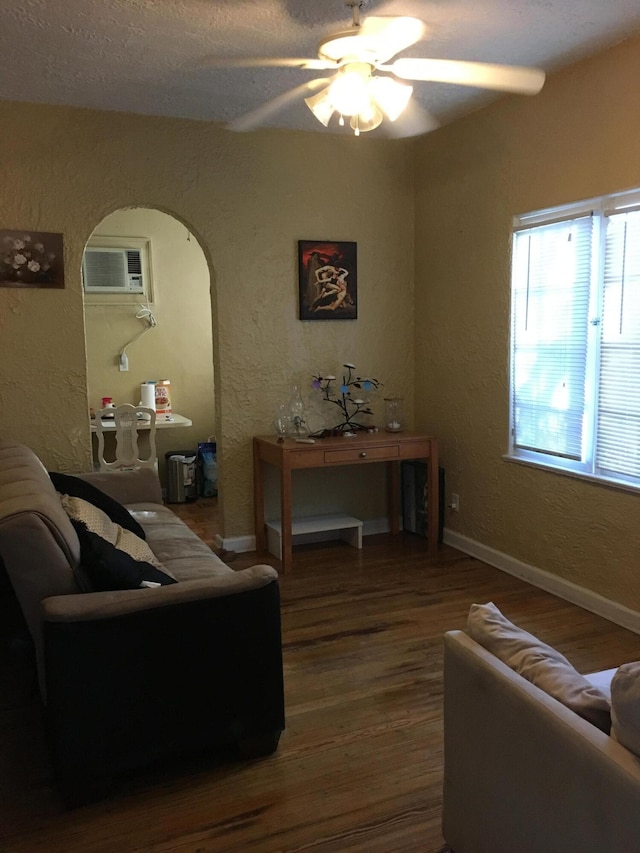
pixel 368 118
pixel 349 91
pixel 391 96
pixel 321 106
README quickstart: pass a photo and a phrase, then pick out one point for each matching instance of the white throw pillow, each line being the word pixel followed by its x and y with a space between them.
pixel 539 663
pixel 625 706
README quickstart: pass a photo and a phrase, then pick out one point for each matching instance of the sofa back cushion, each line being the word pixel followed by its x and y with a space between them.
pixel 38 544
pixel 539 663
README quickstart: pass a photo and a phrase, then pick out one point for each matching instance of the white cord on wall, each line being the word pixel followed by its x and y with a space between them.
pixel 144 313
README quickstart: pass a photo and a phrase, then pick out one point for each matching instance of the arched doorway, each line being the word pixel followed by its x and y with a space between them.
pixel 178 347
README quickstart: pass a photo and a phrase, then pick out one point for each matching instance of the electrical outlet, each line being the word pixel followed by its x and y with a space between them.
pixel 455 502
pixel 124 363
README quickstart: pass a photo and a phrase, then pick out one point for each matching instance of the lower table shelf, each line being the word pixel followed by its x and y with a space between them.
pixel 348 528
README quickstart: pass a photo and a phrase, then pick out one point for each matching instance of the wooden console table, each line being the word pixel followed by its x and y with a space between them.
pixel 363 448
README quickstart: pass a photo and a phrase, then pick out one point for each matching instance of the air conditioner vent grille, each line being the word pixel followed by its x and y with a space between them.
pixel 134 263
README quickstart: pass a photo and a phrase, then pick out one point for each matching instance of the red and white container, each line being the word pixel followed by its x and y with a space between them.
pixel 163 400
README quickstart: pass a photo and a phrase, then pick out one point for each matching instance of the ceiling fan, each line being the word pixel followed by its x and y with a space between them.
pixel 366 87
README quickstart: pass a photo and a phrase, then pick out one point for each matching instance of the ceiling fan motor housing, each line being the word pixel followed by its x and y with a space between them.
pixel 349 46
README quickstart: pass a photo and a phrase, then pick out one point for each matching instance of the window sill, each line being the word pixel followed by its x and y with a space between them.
pixel 608 482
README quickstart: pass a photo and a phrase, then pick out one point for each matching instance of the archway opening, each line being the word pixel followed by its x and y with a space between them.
pixel 160 320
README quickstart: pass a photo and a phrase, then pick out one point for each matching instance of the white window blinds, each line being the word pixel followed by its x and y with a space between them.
pixel 551 287
pixel 618 419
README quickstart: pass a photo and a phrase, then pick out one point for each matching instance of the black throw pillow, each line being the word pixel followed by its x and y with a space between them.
pixel 66 484
pixel 110 568
pixel 111 556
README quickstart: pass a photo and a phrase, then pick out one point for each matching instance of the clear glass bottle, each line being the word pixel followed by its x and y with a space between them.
pixel 282 422
pixel 393 415
pixel 297 417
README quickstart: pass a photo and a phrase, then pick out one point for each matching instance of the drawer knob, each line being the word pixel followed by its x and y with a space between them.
pixel 363 454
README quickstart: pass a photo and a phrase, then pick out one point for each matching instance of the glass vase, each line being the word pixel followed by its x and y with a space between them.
pixel 393 415
pixel 281 422
pixel 297 416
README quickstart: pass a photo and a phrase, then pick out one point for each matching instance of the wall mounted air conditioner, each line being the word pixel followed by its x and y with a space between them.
pixel 116 265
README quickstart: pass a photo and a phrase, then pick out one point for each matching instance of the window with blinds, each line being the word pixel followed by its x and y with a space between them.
pixel 575 339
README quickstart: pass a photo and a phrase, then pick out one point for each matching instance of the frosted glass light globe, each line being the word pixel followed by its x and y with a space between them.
pixel 350 90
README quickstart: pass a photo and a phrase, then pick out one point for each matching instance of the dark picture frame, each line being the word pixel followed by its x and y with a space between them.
pixel 31 259
pixel 328 279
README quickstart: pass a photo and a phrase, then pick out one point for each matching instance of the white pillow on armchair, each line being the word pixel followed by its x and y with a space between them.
pixel 539 663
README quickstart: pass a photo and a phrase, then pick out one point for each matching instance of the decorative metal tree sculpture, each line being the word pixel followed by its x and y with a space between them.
pixel 346 398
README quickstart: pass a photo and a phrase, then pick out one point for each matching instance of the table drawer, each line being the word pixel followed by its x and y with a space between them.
pixel 355 454
pixel 306 458
pixel 418 449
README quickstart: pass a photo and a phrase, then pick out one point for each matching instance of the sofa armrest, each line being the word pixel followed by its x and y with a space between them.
pixel 196 672
pixel 523 772
pixel 90 606
pixel 142 485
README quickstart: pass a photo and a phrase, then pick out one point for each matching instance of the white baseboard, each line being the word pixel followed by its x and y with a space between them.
pixel 569 591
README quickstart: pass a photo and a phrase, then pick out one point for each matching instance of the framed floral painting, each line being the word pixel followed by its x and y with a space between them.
pixel 31 259
pixel 327 280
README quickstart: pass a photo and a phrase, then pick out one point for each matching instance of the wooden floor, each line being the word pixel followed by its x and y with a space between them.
pixel 359 767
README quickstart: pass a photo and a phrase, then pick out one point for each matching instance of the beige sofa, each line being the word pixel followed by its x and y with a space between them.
pixel 523 773
pixel 130 676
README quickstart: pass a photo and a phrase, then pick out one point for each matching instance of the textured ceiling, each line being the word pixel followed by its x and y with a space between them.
pixel 142 56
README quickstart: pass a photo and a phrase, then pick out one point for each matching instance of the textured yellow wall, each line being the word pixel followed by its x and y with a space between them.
pixel 577 139
pixel 248 198
pixel 179 348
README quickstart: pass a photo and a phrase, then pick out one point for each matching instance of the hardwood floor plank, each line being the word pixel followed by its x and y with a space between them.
pixel 359 767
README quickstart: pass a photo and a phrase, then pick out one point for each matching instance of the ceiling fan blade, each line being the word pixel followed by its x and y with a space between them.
pixel 413 121
pixel 391 35
pixel 264 62
pixel 253 119
pixel 484 75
